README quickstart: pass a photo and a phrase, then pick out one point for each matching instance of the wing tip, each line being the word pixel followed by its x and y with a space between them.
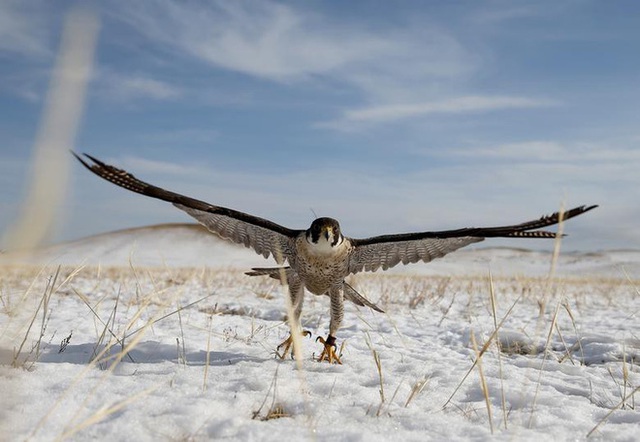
pixel 85 163
pixel 79 158
pixel 571 213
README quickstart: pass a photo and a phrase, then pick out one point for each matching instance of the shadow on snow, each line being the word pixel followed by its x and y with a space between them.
pixel 147 352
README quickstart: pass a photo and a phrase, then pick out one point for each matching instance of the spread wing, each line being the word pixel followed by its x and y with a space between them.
pixel 263 236
pixel 387 251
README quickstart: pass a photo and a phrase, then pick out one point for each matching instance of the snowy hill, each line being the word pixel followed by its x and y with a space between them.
pixel 191 245
pixel 172 245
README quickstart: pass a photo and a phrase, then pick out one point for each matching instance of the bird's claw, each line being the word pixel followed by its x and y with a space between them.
pixel 329 352
pixel 288 345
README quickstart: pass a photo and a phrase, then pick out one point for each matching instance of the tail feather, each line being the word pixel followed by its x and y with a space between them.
pixel 271 272
pixel 350 293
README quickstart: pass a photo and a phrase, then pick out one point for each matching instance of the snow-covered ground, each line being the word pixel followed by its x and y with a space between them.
pixel 568 364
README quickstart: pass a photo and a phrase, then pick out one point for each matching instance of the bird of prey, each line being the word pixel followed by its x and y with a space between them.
pixel 319 258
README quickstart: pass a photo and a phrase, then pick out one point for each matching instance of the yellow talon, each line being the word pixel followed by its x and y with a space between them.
pixel 288 345
pixel 329 352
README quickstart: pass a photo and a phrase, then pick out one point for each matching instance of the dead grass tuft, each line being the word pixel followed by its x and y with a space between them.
pixel 276 409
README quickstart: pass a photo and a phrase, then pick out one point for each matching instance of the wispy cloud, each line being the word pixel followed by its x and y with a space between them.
pixel 393 72
pixel 280 43
pixel 24 30
pixel 532 150
pixel 125 87
pixel 457 105
pixel 171 137
pixel 551 151
pixel 143 165
pixel 148 87
pixel 507 11
pixel 261 39
pixel 27 47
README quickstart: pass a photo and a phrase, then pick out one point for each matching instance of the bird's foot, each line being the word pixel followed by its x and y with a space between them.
pixel 329 352
pixel 288 345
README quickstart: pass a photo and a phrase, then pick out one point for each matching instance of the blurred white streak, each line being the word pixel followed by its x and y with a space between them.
pixel 62 112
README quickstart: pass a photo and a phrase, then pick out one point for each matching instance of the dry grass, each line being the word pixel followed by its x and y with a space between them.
pixel 416 389
pixel 481 352
pixel 544 360
pixel 275 410
pixel 614 409
pixel 494 314
pixel 483 381
pixel 28 361
pixel 378 364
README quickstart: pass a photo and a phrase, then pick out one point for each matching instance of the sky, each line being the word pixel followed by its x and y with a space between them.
pixel 389 116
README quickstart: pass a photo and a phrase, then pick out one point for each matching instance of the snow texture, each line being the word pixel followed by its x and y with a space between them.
pixel 568 363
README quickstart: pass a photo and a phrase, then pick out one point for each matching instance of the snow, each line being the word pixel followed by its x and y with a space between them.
pixel 209 371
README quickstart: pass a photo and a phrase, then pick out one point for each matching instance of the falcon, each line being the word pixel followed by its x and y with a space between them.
pixel 319 258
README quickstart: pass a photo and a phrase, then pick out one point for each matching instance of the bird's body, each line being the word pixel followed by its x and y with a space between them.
pixel 322 264
pixel 320 258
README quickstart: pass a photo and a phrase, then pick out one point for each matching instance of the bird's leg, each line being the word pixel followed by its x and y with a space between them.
pixel 288 345
pixel 337 312
pixel 296 293
pixel 329 351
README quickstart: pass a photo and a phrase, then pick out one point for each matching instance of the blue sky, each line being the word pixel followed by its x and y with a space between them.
pixel 390 116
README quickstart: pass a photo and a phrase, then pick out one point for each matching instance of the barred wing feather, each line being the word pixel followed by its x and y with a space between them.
pixel 371 257
pixel 263 236
pixel 265 242
pixel 386 251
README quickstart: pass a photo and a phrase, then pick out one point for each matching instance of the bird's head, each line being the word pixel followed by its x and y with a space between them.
pixel 324 231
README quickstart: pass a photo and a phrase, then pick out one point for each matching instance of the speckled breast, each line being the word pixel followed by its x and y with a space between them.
pixel 320 271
